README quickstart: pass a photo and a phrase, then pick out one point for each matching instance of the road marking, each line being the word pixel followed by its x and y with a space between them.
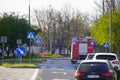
pixel 59 72
pixel 60 79
pixel 35 74
pixel 40 78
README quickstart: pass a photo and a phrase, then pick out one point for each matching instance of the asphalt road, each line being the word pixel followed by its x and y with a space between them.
pixel 56 69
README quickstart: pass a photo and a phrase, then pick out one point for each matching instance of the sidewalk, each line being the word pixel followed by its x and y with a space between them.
pixel 18 73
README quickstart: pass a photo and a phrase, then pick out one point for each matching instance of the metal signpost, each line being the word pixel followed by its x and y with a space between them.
pixel 106 46
pixel 38 41
pixel 20 52
pixel 3 40
pixel 30 36
pixel 19 42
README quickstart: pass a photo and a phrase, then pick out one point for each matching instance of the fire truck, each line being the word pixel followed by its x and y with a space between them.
pixel 80 47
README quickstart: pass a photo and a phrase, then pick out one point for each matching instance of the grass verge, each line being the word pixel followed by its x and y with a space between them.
pixel 27 62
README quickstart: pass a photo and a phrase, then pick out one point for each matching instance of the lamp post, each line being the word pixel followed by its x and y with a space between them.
pixel 30 39
pixel 103 6
pixel 110 27
pixel 29 13
pixel 110 5
pixel 50 28
pixel 110 48
pixel 110 31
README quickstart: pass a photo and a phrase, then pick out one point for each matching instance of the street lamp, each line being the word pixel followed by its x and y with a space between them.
pixel 30 39
pixel 50 29
pixel 29 13
pixel 110 48
pixel 110 28
pixel 103 6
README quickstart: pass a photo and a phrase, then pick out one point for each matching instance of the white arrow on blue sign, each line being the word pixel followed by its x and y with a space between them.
pixel 30 35
pixel 21 51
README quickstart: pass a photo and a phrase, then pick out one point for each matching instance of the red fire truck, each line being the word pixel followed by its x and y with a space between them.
pixel 80 47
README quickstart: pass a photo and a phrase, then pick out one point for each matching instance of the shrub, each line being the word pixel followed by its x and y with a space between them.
pixel 56 56
pixel 50 55
pixel 46 54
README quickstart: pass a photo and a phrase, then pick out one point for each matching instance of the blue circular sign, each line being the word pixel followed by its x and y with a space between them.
pixel 21 51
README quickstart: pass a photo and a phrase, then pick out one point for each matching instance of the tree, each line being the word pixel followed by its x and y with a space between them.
pixel 80 25
pixel 14 27
pixel 100 30
pixel 60 27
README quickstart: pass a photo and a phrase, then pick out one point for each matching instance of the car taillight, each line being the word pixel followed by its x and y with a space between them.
pixel 79 74
pixel 107 74
pixel 115 62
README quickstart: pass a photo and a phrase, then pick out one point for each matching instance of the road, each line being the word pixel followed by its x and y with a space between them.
pixel 56 69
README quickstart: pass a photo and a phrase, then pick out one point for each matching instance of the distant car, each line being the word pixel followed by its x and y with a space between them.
pixel 112 57
pixel 95 70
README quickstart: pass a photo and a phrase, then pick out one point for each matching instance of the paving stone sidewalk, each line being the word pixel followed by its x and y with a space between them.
pixel 16 73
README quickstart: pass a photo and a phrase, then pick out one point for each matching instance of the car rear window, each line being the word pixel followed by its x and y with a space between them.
pixel 108 57
pixel 93 67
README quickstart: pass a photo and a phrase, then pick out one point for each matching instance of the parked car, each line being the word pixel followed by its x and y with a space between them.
pixel 112 57
pixel 95 70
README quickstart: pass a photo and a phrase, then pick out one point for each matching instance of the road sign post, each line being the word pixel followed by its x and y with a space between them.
pixel 30 36
pixel 19 42
pixel 3 40
pixel 106 46
pixel 30 52
pixel 20 52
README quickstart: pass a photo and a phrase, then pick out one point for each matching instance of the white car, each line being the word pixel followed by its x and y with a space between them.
pixel 112 57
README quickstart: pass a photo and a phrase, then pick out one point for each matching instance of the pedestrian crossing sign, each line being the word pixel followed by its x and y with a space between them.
pixel 106 44
pixel 39 40
pixel 30 35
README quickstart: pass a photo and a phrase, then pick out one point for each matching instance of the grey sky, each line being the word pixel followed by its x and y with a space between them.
pixel 21 6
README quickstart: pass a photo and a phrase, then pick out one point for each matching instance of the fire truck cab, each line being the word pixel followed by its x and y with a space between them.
pixel 80 47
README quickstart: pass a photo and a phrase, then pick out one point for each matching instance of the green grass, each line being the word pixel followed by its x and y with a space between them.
pixel 18 65
pixel 21 62
pixel 26 61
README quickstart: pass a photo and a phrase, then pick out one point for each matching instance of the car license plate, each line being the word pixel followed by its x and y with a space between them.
pixel 93 76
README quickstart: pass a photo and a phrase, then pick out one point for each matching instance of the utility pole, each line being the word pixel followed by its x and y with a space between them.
pixel 103 6
pixel 110 47
pixel 50 28
pixel 30 39
pixel 110 5
pixel 29 13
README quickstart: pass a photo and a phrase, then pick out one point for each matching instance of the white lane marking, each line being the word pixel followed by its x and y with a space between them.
pixel 35 74
pixel 59 72
pixel 40 78
pixel 60 79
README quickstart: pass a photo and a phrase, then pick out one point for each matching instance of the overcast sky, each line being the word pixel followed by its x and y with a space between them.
pixel 21 6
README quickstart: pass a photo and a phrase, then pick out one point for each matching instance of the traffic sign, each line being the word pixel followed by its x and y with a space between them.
pixel 30 35
pixel 21 51
pixel 19 41
pixel 39 40
pixel 15 52
pixel 106 44
pixel 3 39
